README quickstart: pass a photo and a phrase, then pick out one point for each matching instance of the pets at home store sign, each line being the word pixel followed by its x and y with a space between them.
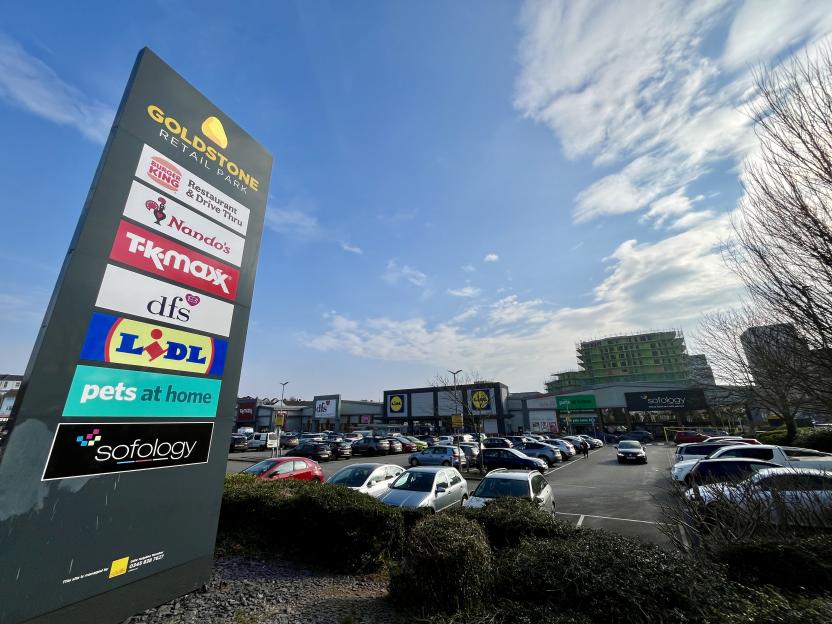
pixel 129 396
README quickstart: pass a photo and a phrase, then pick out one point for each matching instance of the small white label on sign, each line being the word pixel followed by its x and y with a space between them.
pixel 171 218
pixel 139 295
pixel 177 181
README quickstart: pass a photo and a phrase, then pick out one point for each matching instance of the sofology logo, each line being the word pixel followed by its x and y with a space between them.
pixel 86 449
pixel 125 341
pixel 116 393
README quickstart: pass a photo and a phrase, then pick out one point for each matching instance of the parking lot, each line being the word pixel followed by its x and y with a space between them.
pixel 596 492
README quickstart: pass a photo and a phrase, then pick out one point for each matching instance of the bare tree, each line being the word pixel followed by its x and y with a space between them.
pixel 783 250
pixel 456 398
pixel 761 362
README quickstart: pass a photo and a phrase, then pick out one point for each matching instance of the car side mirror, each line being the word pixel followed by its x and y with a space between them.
pixel 538 500
pixel 440 489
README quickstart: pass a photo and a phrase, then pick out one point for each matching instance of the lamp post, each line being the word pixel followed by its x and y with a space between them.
pixel 283 411
pixel 459 404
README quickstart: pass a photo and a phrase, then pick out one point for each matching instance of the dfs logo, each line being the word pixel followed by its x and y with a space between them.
pixel 125 341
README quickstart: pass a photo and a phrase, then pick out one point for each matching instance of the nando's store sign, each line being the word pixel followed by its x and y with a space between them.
pixel 130 393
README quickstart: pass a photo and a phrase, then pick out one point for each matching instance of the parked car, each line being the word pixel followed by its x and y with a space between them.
pixel 429 439
pixel 314 450
pixel 548 453
pixel 631 451
pixel 289 440
pixel 438 456
pixel 408 446
pixel 261 441
pixel 686 437
pixel 372 479
pixel 239 442
pixel 340 448
pixel 446 440
pixel 419 444
pixel 641 436
pixel 789 496
pixel 737 439
pixel 497 443
pixel 435 488
pixel 610 438
pixel 312 436
pixel 286 468
pixel 593 442
pixel 726 470
pixel 511 459
pixel 698 450
pixel 472 453
pixel 500 483
pixel 515 440
pixel 395 445
pixel 567 449
pixel 463 437
pixel 371 446
pixel 576 441
pixel 787 456
pixel 352 437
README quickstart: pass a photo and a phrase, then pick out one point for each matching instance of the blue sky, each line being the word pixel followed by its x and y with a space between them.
pixel 456 184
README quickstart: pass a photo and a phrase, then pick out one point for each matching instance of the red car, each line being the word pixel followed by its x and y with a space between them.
pixel 287 468
pixel 685 437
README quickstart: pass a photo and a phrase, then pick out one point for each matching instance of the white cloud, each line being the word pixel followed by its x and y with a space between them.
pixel 294 218
pixel 492 257
pixel 469 268
pixel 396 272
pixel 351 248
pixel 466 291
pixel 30 84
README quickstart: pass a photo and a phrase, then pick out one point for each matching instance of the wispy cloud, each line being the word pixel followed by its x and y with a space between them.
pixel 398 216
pixel 30 84
pixel 492 257
pixel 466 291
pixel 469 268
pixel 295 218
pixel 395 273
pixel 351 248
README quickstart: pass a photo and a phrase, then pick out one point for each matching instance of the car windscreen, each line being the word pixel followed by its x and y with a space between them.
pixel 351 477
pixel 496 488
pixel 629 444
pixel 415 481
pixel 259 468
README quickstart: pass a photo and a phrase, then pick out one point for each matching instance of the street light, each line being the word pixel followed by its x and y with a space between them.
pixel 459 403
pixel 283 410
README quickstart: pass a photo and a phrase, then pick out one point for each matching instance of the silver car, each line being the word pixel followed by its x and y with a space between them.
pixel 372 479
pixel 438 456
pixel 431 487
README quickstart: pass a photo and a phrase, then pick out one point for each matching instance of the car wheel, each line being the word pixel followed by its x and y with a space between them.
pixel 446 463
pixel 462 502
pixel 414 462
pixel 542 471
pixel 546 459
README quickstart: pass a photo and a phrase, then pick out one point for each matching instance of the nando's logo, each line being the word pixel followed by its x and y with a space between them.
pixel 124 341
pixel 150 252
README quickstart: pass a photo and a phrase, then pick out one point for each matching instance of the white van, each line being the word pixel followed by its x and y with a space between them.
pixel 262 441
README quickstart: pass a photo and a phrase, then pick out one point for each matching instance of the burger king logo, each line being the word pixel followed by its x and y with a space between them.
pixel 165 173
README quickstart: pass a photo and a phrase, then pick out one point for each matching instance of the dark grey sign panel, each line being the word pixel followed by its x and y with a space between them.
pixel 109 498
pixel 666 400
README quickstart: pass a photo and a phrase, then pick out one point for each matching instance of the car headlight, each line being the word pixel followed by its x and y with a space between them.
pixel 621 454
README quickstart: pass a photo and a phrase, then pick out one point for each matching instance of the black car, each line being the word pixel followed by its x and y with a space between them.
pixel 511 460
pixel 318 451
pixel 238 442
pixel 371 446
pixel 429 439
pixel 340 448
pixel 641 436
pixel 631 451
pixel 497 443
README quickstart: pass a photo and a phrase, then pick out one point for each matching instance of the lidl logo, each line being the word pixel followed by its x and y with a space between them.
pixel 125 341
pixel 481 400
pixel 396 403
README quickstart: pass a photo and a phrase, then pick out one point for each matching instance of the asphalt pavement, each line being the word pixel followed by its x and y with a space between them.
pixel 594 492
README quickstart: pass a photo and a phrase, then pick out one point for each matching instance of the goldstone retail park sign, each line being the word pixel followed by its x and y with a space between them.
pixel 111 480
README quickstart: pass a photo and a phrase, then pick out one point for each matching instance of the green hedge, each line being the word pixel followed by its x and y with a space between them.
pixel 506 521
pixel 797 565
pixel 447 567
pixel 326 525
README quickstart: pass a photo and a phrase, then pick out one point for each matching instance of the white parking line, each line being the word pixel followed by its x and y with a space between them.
pixel 572 462
pixel 580 522
pixel 582 516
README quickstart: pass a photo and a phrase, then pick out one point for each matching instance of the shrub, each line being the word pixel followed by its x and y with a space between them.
pixel 804 564
pixel 327 525
pixel 508 520
pixel 610 578
pixel 447 567
pixel 818 439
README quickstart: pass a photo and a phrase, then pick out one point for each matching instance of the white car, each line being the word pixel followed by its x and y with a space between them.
pixel 797 496
pixel 566 448
pixel 372 479
pixel 787 456
pixel 500 483
pixel 593 442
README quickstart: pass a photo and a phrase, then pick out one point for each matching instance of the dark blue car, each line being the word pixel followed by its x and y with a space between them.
pixel 511 460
